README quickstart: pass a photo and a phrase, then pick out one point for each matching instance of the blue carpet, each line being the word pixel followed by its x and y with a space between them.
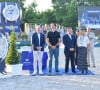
pixel 62 72
pixel 97 45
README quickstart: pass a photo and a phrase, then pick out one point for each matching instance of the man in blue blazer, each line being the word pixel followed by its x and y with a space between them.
pixel 38 42
pixel 69 42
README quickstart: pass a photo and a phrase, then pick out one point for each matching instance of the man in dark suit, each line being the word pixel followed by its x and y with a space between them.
pixel 38 42
pixel 69 50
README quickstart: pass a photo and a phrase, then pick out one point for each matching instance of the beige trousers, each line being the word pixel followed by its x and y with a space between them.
pixel 90 56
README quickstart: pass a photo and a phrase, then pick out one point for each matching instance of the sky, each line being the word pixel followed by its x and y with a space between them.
pixel 42 4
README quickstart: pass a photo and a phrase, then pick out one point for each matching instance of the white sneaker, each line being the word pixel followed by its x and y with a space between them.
pixel 41 73
pixel 34 74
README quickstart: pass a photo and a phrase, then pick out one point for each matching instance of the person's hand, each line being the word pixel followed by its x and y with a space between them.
pixel 53 47
pixel 71 49
pixel 39 48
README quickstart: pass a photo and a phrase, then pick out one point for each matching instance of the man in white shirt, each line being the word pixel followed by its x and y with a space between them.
pixel 90 52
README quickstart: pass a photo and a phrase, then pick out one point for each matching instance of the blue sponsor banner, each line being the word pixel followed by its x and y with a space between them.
pixel 9 16
pixel 89 16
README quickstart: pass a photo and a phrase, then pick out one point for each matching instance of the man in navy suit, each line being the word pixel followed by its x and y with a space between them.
pixel 69 41
pixel 38 42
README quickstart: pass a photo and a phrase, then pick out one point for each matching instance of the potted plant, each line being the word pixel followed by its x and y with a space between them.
pixel 13 57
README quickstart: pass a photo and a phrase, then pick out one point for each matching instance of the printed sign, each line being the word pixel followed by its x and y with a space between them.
pixel 9 16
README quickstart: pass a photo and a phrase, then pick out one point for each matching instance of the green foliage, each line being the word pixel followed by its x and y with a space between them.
pixel 48 16
pixel 30 14
pixel 66 12
pixel 93 2
pixel 61 1
pixel 13 56
pixel 72 17
pixel 25 44
pixel 24 37
pixel 89 2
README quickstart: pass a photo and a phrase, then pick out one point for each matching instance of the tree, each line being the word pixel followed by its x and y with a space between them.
pixel 60 1
pixel 94 2
pixel 60 10
pixel 89 2
pixel 30 14
pixel 48 16
pixel 72 14
pixel 66 12
pixel 13 55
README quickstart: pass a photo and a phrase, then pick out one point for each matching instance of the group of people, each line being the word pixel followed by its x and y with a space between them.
pixel 77 48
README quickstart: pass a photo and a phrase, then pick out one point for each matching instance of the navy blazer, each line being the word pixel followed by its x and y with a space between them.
pixel 69 43
pixel 35 41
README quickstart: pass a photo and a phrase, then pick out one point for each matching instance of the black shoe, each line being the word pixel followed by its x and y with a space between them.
pixel 66 71
pixel 33 74
pixel 49 71
pixel 3 72
pixel 57 71
pixel 86 72
pixel 74 71
pixel 82 71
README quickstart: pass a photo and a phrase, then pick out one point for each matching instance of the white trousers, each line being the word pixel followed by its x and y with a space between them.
pixel 37 61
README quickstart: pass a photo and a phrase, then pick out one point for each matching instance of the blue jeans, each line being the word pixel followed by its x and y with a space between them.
pixel 54 52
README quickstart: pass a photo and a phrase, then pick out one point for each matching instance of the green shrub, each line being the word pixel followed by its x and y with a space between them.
pixel 13 56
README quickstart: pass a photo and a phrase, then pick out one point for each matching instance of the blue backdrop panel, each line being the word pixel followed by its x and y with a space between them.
pixel 6 25
pixel 27 60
